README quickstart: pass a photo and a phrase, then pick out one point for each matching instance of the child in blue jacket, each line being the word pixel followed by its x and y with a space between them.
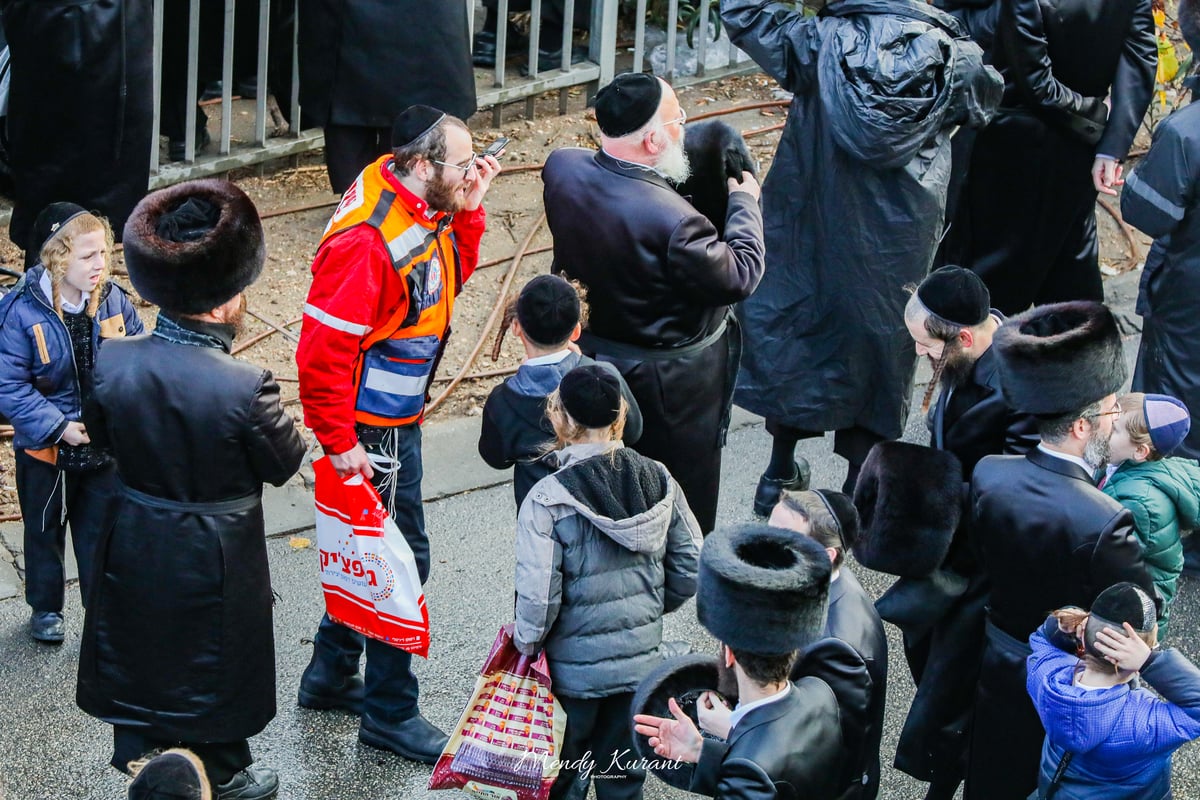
pixel 51 326
pixel 1107 737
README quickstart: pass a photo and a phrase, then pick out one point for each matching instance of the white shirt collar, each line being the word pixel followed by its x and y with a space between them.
pixel 551 358
pixel 1067 457
pixel 48 290
pixel 745 708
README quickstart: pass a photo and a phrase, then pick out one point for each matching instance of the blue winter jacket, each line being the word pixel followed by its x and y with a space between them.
pixel 39 385
pixel 1122 737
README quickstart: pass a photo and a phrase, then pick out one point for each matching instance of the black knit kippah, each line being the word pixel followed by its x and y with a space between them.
pixel 591 394
pixel 50 221
pixel 189 221
pixel 168 776
pixel 548 309
pixel 414 122
pixel 957 295
pixel 628 103
pixel 1125 602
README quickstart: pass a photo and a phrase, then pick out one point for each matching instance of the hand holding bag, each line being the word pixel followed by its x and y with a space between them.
pixel 367 568
pixel 509 738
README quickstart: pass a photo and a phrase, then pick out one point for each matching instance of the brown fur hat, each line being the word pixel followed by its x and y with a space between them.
pixel 910 500
pixel 192 247
pixel 1060 358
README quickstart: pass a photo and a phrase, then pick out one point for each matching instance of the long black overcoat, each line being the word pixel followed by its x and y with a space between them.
pixel 177 639
pixel 364 61
pixel 853 203
pixel 80 107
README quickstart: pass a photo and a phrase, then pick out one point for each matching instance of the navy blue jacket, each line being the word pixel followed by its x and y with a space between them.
pixel 39 385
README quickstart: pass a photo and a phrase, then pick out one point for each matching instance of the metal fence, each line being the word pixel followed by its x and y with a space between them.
pixel 496 87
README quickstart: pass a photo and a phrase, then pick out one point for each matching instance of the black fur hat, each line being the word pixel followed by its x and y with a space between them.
pixel 716 152
pixel 685 678
pixel 1058 359
pixel 763 589
pixel 910 500
pixel 191 247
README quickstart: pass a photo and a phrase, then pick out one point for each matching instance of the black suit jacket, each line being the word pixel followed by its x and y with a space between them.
pixel 974 420
pixel 854 620
pixel 790 749
pixel 1046 537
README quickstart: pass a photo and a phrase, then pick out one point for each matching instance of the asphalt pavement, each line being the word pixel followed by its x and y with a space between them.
pixel 50 749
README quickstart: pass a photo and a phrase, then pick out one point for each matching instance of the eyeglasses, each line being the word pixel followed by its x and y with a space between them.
pixel 466 168
pixel 680 120
pixel 1116 412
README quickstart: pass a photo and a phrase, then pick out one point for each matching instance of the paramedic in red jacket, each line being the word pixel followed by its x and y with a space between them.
pixel 385 278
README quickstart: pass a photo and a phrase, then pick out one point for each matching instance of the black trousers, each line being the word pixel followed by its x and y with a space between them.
pixel 221 760
pixel 350 148
pixel 50 498
pixel 1029 212
pixel 600 726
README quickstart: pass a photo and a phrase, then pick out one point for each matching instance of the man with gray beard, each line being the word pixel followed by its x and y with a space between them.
pixel 1044 535
pixel 660 279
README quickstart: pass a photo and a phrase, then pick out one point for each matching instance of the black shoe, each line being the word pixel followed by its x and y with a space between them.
pixel 47 626
pixel 416 738
pixel 248 87
pixel 769 489
pixel 345 693
pixel 177 148
pixel 1191 557
pixel 252 783
pixel 552 59
pixel 483 47
pixel 212 90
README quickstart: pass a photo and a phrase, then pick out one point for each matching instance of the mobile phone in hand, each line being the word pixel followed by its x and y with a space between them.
pixel 495 147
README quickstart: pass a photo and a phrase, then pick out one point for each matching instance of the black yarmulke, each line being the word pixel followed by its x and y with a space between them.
pixel 414 122
pixel 956 295
pixel 50 221
pixel 1126 602
pixel 845 515
pixel 591 394
pixel 548 310
pixel 628 103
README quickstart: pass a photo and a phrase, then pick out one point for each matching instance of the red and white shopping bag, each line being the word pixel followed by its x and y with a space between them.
pixel 367 568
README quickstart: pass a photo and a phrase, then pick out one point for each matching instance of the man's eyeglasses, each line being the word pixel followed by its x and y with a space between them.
pixel 466 168
pixel 680 120
pixel 1115 412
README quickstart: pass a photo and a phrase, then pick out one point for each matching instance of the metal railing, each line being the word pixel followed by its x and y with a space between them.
pixel 496 87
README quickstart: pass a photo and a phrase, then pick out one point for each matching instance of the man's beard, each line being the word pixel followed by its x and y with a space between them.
pixel 957 366
pixel 1095 452
pixel 441 195
pixel 673 163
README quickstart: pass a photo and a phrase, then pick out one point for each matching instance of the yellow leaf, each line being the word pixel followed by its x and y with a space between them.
pixel 300 542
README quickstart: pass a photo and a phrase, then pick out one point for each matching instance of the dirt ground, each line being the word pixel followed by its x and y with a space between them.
pixel 514 209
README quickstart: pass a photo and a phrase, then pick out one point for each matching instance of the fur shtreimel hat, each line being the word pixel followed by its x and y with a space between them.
pixel 190 248
pixel 763 589
pixel 1060 358
pixel 685 678
pixel 910 500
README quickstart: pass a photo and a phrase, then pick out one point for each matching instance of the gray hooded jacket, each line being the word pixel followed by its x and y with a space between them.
pixel 605 546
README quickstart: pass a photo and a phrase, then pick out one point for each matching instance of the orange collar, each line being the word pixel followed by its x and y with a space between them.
pixel 417 206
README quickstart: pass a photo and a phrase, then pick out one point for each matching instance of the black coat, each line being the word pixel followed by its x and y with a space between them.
pixel 825 346
pixel 658 279
pixel 1027 220
pixel 854 620
pixel 80 108
pixel 1045 537
pixel 974 420
pixel 178 637
pixel 364 61
pixel 792 749
pixel 1161 199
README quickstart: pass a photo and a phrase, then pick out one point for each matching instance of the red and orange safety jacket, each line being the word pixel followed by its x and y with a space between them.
pixel 385 278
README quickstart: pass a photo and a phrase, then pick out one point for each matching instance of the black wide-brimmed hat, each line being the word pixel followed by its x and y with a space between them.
pixel 763 589
pixel 1060 358
pixel 684 678
pixel 910 501
pixel 192 247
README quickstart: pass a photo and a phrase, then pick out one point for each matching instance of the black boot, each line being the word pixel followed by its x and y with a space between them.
pixel 416 738
pixel 771 489
pixel 321 689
